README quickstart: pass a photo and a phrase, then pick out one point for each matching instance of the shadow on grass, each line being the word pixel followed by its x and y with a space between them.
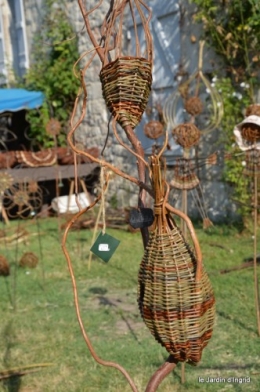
pixel 106 301
pixel 231 366
pixel 235 321
pixel 12 383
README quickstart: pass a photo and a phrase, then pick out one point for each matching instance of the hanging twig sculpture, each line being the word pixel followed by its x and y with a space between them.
pixel 189 94
pixel 186 134
pixel 247 136
pixel 126 83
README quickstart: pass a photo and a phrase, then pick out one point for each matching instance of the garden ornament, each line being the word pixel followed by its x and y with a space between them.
pixel 126 82
pixel 247 134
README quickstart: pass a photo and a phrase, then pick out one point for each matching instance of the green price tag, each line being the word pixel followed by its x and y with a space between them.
pixel 105 246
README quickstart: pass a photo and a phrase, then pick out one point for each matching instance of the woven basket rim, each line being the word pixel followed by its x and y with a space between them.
pixel 126 58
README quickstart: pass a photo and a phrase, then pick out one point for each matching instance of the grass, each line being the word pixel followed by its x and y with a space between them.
pixel 38 323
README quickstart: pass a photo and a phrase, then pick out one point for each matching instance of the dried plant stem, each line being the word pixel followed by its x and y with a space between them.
pixel 85 13
pixel 255 256
pixel 70 138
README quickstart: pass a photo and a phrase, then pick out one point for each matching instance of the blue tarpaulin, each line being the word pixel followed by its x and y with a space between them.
pixel 14 99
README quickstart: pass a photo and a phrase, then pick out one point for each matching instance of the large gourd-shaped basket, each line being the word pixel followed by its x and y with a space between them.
pixel 126 78
pixel 175 295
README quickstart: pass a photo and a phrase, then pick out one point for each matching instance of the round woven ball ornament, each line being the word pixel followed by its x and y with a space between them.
pixel 4 266
pixel 29 260
pixel 193 106
pixel 126 85
pixel 153 129
pixel 53 127
pixel 187 135
pixel 253 110
pixel 250 132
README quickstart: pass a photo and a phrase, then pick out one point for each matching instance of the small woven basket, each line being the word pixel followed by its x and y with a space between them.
pixel 175 295
pixel 250 132
pixel 252 167
pixel 126 85
pixel 184 176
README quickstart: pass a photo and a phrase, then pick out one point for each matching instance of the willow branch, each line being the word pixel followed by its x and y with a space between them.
pixel 85 15
pixel 138 148
pixel 76 300
pixel 160 374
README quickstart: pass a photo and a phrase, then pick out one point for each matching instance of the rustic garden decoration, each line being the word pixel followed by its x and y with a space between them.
pixel 4 266
pixel 176 299
pixel 23 199
pixel 29 260
pixel 6 181
pixel 154 129
pixel 187 135
pixel 247 135
pixel 187 309
pixel 190 94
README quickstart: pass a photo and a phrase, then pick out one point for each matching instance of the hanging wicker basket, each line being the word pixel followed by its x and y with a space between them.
pixel 126 85
pixel 175 295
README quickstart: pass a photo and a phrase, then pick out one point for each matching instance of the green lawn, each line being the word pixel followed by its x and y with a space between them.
pixel 38 323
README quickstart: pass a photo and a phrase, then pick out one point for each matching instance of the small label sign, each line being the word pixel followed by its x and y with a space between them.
pixel 105 246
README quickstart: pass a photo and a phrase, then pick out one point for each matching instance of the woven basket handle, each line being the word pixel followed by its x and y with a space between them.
pixel 193 236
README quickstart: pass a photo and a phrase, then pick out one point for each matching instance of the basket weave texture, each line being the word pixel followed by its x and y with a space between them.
pixel 126 85
pixel 186 135
pixel 251 132
pixel 252 163
pixel 175 295
pixel 184 176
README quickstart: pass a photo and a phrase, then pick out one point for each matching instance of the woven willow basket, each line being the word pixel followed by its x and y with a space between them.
pixel 126 85
pixel 175 296
pixel 184 176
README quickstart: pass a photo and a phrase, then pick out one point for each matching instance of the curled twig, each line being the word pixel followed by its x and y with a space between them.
pixel 76 299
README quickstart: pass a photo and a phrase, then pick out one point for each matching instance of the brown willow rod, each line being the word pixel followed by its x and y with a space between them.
pixel 76 300
pixel 70 136
pixel 85 13
pixel 255 251
pixel 160 374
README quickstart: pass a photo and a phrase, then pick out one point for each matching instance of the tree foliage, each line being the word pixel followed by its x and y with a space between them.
pixel 232 29
pixel 54 53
